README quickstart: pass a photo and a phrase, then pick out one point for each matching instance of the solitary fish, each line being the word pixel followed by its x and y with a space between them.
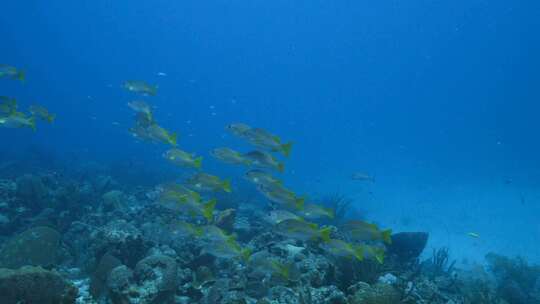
pixel 227 250
pixel 140 106
pixel 182 158
pixel 259 177
pixel 473 235
pixel 302 230
pixel 183 229
pixel 174 191
pixel 282 196
pixel 266 140
pixel 160 134
pixel 8 105
pixel 206 182
pixel 18 120
pixel 238 129
pixel 344 249
pixel 374 252
pixel 262 159
pixel 144 120
pixel 7 71
pixel 141 133
pixel 42 113
pixel 187 202
pixel 229 156
pixel 314 212
pixel 358 176
pixel 265 263
pixel 260 138
pixel 215 234
pixel 140 87
pixel 363 231
pixel 278 216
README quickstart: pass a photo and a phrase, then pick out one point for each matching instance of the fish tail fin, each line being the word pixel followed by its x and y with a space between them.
pixel 246 253
pixel 11 106
pixel 196 196
pixel 208 209
pixel 153 90
pixel 282 269
pixel 325 234
pixel 281 167
pixel 14 106
pixel 231 237
pixel 198 231
pixel 378 254
pixel 149 116
pixel 387 236
pixel 21 76
pixel 299 203
pixel 358 252
pixel 173 137
pixel 330 212
pixel 197 163
pixel 32 121
pixel 13 103
pixel 226 186
pixel 286 149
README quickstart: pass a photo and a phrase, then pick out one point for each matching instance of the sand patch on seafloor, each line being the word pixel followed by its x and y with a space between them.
pixel 505 216
pixel 505 223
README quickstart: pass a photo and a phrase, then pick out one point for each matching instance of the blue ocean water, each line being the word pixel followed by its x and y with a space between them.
pixel 438 100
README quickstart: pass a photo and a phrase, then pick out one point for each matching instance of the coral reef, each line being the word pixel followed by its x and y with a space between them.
pixel 156 277
pixel 35 285
pixel 113 200
pixel 121 239
pixel 516 281
pixel 36 246
pixel 99 278
pixel 114 245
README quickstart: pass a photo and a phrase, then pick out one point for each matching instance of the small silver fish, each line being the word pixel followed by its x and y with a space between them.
pixel 359 176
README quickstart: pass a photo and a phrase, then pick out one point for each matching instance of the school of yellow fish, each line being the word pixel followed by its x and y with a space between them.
pixel 10 116
pixel 290 215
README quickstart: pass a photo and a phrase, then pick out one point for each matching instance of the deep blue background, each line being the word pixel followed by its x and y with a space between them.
pixel 384 87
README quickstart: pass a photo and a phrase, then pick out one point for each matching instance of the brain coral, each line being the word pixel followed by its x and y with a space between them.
pixel 37 246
